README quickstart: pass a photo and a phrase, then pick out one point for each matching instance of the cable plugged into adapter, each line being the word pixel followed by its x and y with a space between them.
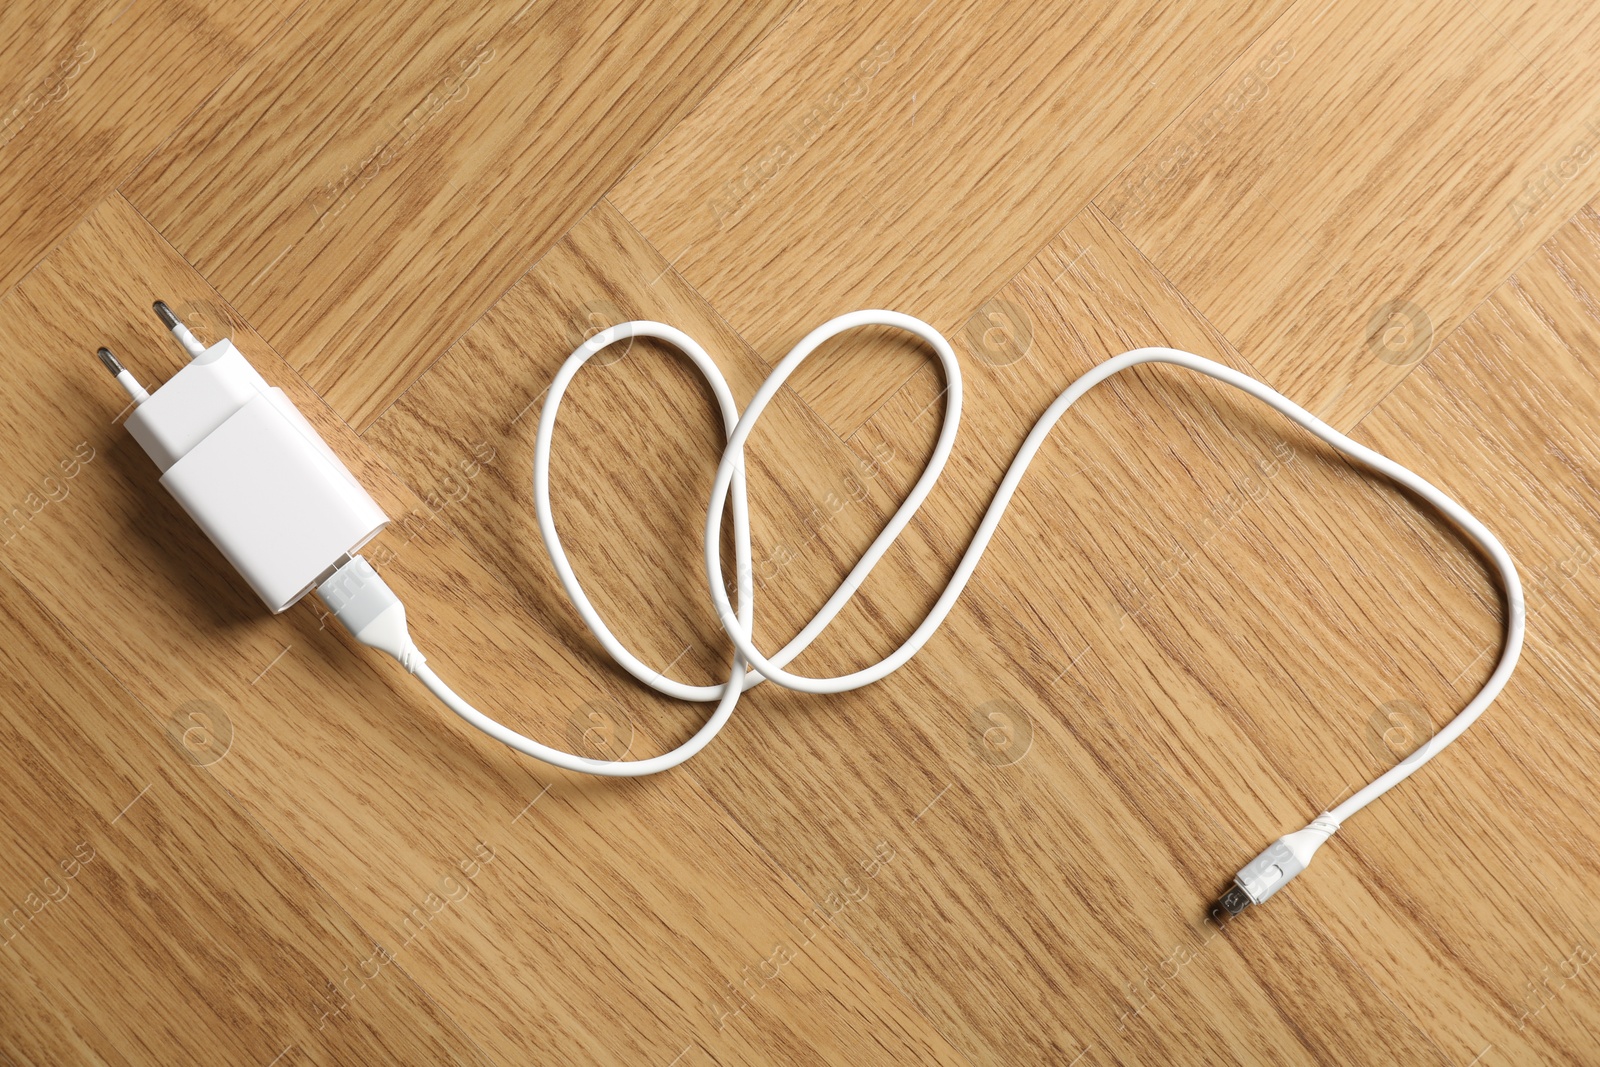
pixel 362 601
pixel 249 469
pixel 286 512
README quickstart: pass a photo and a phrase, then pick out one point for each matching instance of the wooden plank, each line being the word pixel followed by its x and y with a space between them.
pixel 1351 188
pixel 607 918
pixel 1503 409
pixel 158 922
pixel 37 1033
pixel 911 156
pixel 1509 397
pixel 639 431
pixel 88 89
pixel 1056 886
pixel 377 177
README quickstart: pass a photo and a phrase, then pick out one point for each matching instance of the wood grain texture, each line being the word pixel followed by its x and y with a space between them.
pixel 88 89
pixel 364 202
pixel 161 921
pixel 1510 400
pixel 910 156
pixel 38 1032
pixel 1358 180
pixel 1204 597
pixel 1196 627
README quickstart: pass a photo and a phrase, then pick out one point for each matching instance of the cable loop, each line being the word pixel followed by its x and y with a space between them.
pixel 750 666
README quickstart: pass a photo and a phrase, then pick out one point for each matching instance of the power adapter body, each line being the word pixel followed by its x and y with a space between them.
pixel 253 473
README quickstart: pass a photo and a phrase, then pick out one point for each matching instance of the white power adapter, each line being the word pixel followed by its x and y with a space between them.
pixel 249 469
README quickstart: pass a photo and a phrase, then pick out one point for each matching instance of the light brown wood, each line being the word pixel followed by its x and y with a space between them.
pixel 89 89
pixel 334 770
pixel 911 156
pixel 367 183
pixel 193 935
pixel 878 770
pixel 1214 648
pixel 1361 177
pixel 230 837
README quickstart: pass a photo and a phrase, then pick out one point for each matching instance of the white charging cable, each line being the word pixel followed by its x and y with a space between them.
pixel 376 617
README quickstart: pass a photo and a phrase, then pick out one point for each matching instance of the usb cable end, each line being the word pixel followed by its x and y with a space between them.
pixel 361 600
pixel 1271 871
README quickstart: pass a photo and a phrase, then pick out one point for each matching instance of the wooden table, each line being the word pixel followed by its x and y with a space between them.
pixel 232 838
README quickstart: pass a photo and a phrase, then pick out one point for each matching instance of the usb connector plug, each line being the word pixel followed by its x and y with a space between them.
pixel 1271 871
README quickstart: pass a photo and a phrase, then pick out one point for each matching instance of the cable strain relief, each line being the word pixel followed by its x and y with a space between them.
pixel 1325 824
pixel 411 658
pixel 366 606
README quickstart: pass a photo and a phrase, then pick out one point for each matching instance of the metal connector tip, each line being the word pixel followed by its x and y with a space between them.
pixel 180 333
pixel 1232 902
pixel 128 382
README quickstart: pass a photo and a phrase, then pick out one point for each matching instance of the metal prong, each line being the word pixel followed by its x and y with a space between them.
pixel 187 340
pixel 129 383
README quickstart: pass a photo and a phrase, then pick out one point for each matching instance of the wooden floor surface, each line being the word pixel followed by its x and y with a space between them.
pixel 237 838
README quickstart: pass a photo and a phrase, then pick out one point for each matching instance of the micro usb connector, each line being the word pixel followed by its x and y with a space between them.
pixel 1271 871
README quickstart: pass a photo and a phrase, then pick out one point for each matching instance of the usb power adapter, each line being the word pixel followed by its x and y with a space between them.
pixel 249 469
pixel 283 509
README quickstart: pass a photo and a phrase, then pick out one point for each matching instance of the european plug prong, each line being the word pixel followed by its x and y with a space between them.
pixel 190 343
pixel 124 377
